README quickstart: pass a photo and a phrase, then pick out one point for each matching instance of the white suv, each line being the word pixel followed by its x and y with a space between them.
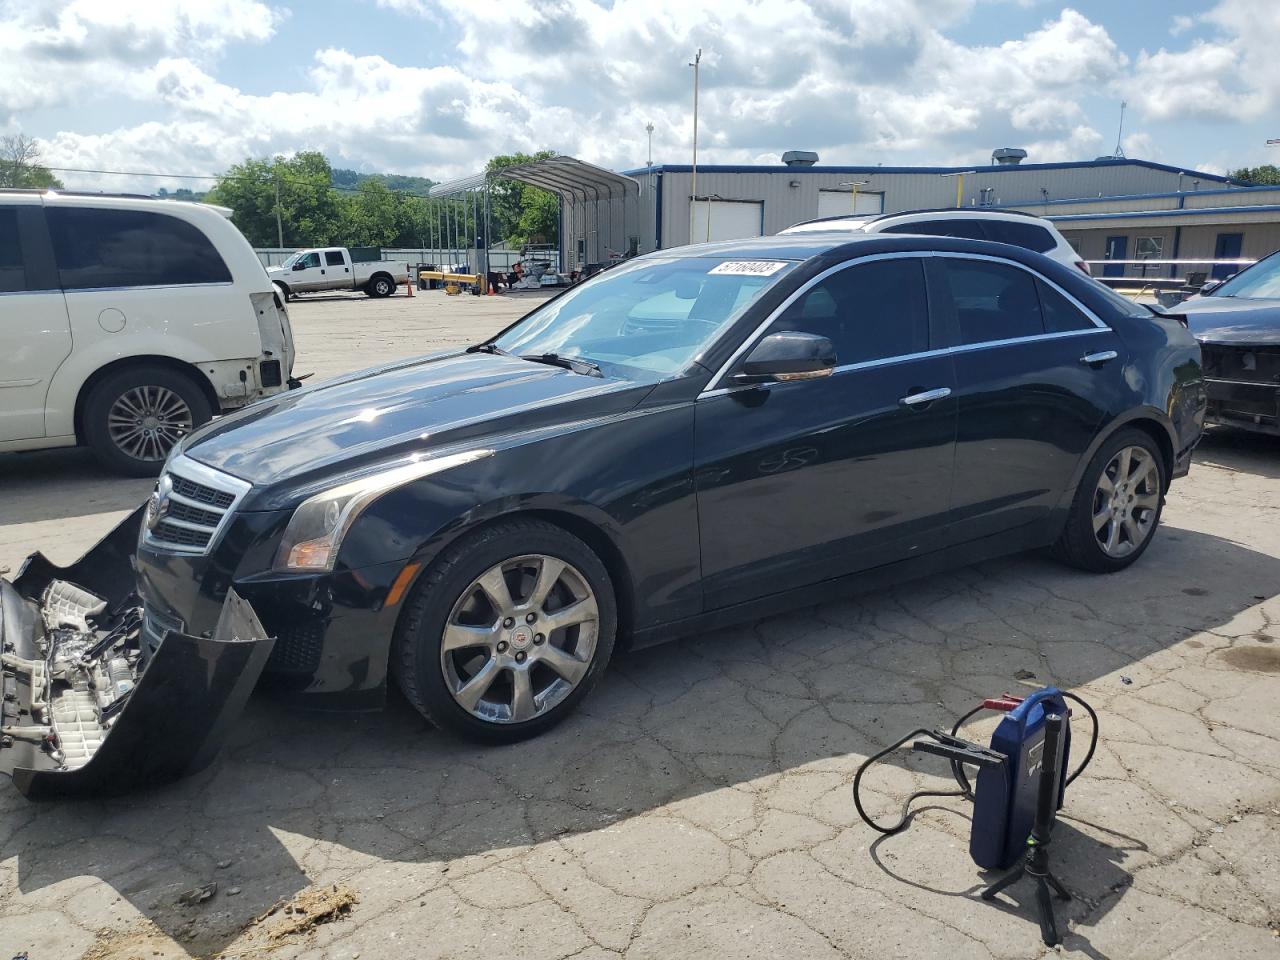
pixel 125 322
pixel 1000 226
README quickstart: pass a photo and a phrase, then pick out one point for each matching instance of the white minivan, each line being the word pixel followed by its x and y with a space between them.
pixel 126 322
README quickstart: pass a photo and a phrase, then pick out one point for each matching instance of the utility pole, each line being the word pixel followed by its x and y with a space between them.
pixel 279 225
pixel 697 61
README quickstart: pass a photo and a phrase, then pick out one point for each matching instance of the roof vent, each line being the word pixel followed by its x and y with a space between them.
pixel 1008 156
pixel 799 158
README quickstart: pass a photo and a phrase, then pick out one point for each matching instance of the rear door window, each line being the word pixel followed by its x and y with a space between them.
pixel 1060 314
pixel 130 248
pixel 992 301
pixel 968 229
pixel 1027 235
pixel 13 272
pixel 333 258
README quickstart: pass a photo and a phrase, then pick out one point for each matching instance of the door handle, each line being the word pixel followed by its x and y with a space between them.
pixel 925 397
pixel 1100 357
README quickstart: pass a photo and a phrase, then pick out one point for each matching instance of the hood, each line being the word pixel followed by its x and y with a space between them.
pixel 399 409
pixel 1233 320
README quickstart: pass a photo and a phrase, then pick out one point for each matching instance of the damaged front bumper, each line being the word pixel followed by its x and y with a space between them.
pixel 91 705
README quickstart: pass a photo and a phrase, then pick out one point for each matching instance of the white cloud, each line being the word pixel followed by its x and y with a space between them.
pixel 856 80
pixel 53 52
pixel 1234 75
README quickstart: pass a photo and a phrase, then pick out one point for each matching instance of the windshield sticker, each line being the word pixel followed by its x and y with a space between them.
pixel 748 268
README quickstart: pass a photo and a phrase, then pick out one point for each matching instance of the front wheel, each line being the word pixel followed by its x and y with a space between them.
pixel 506 632
pixel 1117 506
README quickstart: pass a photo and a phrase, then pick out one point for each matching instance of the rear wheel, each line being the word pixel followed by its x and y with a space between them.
pixel 380 286
pixel 1117 506
pixel 133 418
pixel 506 632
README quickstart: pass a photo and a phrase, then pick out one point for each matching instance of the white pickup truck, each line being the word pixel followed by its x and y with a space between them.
pixel 331 268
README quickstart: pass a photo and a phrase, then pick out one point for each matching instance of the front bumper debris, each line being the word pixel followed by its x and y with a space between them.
pixel 87 707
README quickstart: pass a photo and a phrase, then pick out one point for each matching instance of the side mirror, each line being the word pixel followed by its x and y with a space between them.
pixel 1209 285
pixel 788 355
pixel 299 266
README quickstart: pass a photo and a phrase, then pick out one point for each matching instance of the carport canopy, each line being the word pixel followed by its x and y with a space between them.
pixel 579 185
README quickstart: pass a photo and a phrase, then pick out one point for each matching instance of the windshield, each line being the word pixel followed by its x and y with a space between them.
pixel 1259 282
pixel 647 319
pixel 291 260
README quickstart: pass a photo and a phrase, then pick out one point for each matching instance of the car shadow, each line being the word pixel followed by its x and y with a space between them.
pixel 1243 450
pixel 301 798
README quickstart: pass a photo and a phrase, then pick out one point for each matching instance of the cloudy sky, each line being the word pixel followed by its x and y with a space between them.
pixel 417 86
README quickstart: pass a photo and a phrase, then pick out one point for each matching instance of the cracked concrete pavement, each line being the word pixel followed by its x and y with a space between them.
pixel 698 805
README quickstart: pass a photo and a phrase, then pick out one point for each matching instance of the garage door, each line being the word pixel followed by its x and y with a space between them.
pixel 839 203
pixel 730 220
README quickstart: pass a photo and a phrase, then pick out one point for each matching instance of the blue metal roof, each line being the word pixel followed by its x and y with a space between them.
pixel 1143 196
pixel 1011 168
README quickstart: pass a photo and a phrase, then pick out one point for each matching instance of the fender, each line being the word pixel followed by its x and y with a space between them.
pixel 1147 413
pixel 74 372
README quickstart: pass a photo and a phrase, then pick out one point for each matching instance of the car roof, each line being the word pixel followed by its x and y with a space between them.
pixel 943 213
pixel 837 244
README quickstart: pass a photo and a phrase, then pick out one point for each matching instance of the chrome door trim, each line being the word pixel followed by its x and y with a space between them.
pixel 927 396
pixel 717 386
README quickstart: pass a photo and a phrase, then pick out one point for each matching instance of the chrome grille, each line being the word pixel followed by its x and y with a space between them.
pixel 191 505
pixel 155 625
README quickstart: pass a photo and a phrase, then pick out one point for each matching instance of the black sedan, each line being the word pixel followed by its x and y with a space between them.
pixel 695 437
pixel 1238 326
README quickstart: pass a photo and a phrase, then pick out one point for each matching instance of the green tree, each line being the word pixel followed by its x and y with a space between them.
pixel 373 215
pixel 311 211
pixel 20 164
pixel 1266 175
pixel 522 213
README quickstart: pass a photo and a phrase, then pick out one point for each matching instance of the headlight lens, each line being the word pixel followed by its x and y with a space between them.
pixel 315 531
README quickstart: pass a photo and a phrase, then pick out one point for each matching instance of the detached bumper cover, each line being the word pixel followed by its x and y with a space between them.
pixel 87 708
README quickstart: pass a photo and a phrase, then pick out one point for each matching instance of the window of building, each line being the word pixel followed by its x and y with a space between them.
pixel 1149 248
pixel 130 248
pixel 992 301
pixel 870 311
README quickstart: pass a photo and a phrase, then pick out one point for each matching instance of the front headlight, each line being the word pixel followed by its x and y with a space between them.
pixel 315 531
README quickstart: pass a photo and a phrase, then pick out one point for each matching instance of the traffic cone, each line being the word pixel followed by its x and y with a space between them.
pixel 408 286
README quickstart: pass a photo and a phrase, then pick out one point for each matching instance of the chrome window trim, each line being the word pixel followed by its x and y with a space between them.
pixel 197 472
pixel 714 385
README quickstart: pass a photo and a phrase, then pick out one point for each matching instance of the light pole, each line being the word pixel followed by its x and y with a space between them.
pixel 855 184
pixel 959 175
pixel 697 61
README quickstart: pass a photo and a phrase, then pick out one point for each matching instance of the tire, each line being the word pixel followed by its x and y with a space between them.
pixel 175 401
pixel 448 594
pixel 1140 501
pixel 380 286
pixel 283 289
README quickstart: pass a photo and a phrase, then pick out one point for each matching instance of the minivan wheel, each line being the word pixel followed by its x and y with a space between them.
pixel 381 286
pixel 1117 506
pixel 133 417
pixel 506 632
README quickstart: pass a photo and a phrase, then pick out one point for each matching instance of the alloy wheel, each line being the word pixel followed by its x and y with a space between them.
pixel 1126 501
pixel 520 639
pixel 146 421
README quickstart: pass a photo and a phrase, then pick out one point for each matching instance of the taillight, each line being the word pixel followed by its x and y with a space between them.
pixel 1085 267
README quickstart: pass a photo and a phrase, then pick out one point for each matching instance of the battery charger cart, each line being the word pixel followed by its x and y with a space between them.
pixel 1021 785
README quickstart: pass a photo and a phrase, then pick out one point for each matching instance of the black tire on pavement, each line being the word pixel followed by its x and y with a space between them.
pixel 114 399
pixel 1082 544
pixel 417 654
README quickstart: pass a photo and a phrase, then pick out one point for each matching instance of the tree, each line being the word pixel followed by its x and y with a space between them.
pixel 20 164
pixel 311 211
pixel 522 213
pixel 1266 175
